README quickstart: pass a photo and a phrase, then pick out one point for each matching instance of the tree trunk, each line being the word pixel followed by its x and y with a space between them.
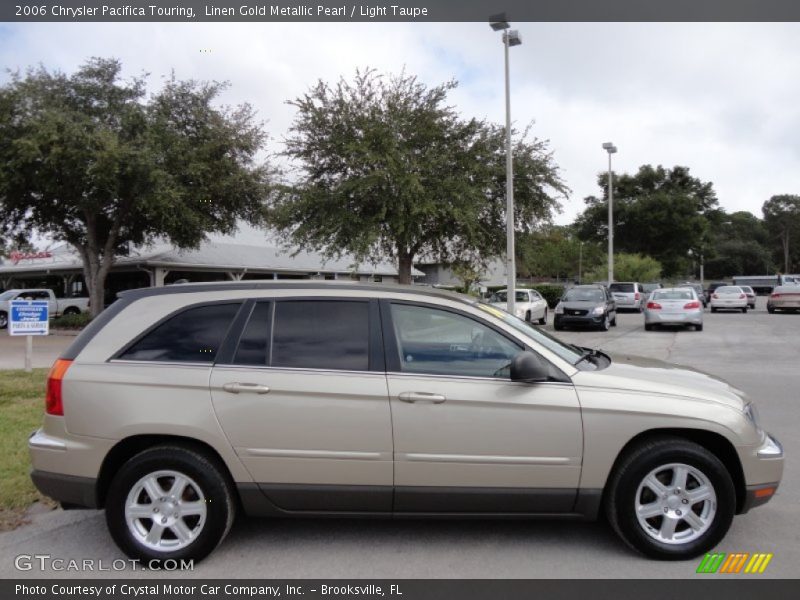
pixel 405 262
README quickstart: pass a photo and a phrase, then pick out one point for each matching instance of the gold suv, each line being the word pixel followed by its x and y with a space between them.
pixel 180 406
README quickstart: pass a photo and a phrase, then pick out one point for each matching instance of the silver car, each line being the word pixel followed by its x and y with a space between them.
pixel 728 297
pixel 674 306
pixel 751 296
pixel 180 407
pixel 628 295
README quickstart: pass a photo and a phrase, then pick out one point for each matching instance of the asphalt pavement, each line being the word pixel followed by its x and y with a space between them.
pixel 756 352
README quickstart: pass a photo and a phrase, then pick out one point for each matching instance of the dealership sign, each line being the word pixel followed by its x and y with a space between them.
pixel 18 256
pixel 28 317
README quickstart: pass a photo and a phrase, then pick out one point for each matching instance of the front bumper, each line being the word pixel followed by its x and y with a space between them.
pixel 763 470
pixel 580 320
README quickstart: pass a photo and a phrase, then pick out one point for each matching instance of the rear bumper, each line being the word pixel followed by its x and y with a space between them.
pixel 654 318
pixel 69 489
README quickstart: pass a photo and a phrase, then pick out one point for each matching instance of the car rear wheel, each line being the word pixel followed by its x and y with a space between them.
pixel 557 326
pixel 744 310
pixel 713 309
pixel 543 320
pixel 698 327
pixel 169 502
pixel 71 311
pixel 670 498
pixel 3 320
pixel 770 309
pixel 648 327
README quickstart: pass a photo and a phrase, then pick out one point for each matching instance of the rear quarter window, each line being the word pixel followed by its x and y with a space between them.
pixel 193 335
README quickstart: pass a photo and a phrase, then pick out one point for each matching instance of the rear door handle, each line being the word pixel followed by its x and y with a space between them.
pixel 421 397
pixel 253 388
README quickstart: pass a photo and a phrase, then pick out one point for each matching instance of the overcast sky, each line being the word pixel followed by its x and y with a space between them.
pixel 722 99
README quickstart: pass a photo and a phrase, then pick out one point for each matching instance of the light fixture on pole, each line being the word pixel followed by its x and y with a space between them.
pixel 510 38
pixel 611 149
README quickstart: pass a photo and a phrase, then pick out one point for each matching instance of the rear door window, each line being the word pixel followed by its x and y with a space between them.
pixel 321 334
pixel 193 335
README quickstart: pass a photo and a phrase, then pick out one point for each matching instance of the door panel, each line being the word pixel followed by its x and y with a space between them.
pixel 312 422
pixel 474 433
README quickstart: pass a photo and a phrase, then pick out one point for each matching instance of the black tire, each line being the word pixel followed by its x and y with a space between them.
pixel 72 310
pixel 614 320
pixel 648 327
pixel 543 320
pixel 770 309
pixel 744 310
pixel 528 317
pixel 3 319
pixel 557 326
pixel 713 309
pixel 636 464
pixel 207 473
pixel 604 326
pixel 698 327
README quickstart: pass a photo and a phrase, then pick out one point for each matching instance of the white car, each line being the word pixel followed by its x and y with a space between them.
pixel 528 304
pixel 730 297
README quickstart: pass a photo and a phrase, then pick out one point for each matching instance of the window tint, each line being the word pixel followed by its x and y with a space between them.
pixel 321 334
pixel 440 342
pixel 252 349
pixel 584 295
pixel 626 288
pixel 193 335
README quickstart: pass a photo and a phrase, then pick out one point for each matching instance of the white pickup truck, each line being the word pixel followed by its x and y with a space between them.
pixel 58 306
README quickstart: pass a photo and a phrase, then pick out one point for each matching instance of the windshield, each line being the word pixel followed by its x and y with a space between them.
pixel 502 296
pixel 570 353
pixel 584 295
pixel 8 295
pixel 729 289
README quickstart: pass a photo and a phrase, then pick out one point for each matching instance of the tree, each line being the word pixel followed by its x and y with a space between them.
pixel 739 257
pixel 658 212
pixel 388 170
pixel 555 252
pixel 782 219
pixel 88 159
pixel 629 267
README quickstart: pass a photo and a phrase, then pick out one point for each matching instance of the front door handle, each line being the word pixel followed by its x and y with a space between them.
pixel 253 388
pixel 421 397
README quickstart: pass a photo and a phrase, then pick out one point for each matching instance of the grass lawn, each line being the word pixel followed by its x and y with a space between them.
pixel 21 409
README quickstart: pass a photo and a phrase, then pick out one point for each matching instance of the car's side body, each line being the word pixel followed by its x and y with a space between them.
pixel 390 430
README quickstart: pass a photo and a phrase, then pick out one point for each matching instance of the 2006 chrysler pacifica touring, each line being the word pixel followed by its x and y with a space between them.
pixel 179 407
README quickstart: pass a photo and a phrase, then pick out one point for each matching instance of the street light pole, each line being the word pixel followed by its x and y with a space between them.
pixel 611 149
pixel 510 38
pixel 580 263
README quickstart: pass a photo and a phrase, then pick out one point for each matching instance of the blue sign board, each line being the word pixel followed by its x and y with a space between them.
pixel 29 317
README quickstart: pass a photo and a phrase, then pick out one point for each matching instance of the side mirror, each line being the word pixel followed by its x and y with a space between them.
pixel 528 367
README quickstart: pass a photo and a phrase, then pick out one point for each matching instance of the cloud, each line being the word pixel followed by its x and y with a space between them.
pixel 718 98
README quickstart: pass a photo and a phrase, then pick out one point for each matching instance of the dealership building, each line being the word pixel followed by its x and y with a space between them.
pixel 60 268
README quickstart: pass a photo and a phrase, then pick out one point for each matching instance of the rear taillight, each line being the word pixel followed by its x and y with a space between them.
pixel 53 403
pixel 653 306
pixel 774 295
pixel 636 296
pixel 694 304
pixel 741 296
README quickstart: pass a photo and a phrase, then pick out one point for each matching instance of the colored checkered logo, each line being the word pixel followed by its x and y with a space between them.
pixel 737 562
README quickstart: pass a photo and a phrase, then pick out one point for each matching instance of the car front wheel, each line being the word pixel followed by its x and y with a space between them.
pixel 169 502
pixel 543 320
pixel 670 498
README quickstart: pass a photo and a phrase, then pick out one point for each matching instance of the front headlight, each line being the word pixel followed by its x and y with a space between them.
pixel 598 310
pixel 559 309
pixel 752 413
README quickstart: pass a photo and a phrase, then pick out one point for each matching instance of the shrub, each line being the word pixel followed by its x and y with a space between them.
pixel 71 321
pixel 551 292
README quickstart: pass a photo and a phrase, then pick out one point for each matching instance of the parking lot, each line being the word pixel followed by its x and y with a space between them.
pixel 756 352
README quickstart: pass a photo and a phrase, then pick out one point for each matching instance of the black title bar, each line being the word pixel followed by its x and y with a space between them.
pixel 398 10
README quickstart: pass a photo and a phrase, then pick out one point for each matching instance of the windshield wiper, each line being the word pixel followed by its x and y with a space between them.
pixel 586 353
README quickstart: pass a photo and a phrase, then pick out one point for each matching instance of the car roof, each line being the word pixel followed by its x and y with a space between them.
pixel 284 284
